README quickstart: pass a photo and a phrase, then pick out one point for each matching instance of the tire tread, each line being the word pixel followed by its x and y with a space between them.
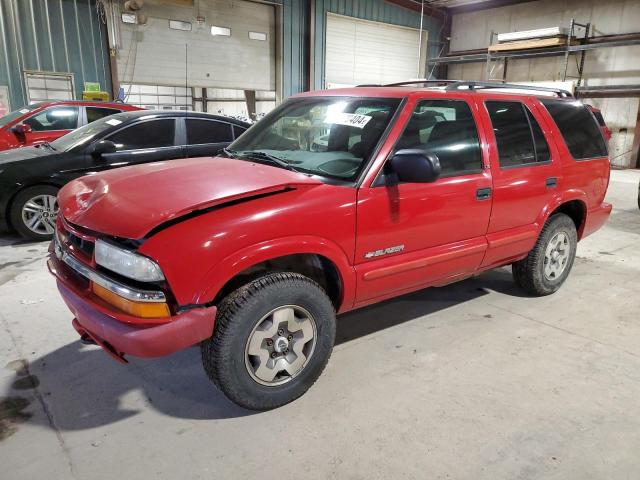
pixel 213 351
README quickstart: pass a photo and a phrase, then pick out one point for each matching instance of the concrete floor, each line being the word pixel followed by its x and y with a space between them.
pixel 470 381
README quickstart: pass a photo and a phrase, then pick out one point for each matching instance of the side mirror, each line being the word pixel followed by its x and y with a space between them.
pixel 415 166
pixel 101 147
pixel 22 128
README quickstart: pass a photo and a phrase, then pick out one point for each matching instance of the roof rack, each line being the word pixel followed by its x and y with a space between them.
pixel 421 80
pixel 458 85
pixel 412 82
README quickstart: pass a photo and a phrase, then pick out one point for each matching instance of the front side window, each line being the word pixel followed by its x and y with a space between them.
pixel 447 129
pixel 150 134
pixel 207 131
pixel 326 136
pixel 96 113
pixel 581 132
pixel 56 118
pixel 519 139
pixel 85 134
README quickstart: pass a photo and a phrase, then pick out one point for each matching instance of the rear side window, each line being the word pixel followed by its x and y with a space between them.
pixel 580 131
pixel 599 118
pixel 446 128
pixel 519 138
pixel 152 134
pixel 207 131
pixel 96 113
pixel 237 131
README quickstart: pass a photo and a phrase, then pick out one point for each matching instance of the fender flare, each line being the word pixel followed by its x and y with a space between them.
pixel 229 267
pixel 559 199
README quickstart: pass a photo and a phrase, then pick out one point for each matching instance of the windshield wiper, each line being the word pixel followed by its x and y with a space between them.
pixel 265 156
pixel 230 153
pixel 48 145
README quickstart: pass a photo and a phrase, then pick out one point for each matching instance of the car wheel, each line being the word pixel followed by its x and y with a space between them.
pixel 547 266
pixel 271 341
pixel 33 212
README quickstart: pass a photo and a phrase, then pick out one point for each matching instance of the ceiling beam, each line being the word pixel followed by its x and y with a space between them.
pixel 484 5
pixel 415 5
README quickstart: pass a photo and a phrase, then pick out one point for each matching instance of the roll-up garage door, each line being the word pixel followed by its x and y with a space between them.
pixel 233 48
pixel 360 51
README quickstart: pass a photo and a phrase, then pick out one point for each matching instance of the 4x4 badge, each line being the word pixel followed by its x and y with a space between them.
pixel 385 251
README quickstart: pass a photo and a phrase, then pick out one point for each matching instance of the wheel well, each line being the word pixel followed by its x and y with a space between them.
pixel 318 268
pixel 576 210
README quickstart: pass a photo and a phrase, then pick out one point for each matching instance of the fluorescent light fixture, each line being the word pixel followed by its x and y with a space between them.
pixel 180 25
pixel 129 18
pixel 262 37
pixel 220 31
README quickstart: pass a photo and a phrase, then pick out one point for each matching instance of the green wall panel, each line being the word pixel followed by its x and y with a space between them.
pixel 55 36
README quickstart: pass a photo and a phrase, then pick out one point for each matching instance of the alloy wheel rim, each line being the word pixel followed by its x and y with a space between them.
pixel 280 345
pixel 556 256
pixel 39 214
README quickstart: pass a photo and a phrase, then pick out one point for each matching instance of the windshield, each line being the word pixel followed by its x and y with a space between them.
pixel 326 136
pixel 10 117
pixel 85 134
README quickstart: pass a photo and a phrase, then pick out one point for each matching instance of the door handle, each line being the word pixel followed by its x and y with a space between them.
pixel 552 182
pixel 483 193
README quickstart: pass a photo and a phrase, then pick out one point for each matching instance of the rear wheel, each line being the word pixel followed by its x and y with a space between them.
pixel 33 212
pixel 272 339
pixel 548 264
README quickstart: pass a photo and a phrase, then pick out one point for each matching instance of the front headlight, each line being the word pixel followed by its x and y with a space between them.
pixel 126 263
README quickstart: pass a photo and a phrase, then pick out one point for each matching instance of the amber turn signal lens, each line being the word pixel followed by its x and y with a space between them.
pixel 137 309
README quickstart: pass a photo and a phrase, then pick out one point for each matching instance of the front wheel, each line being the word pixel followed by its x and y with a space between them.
pixel 271 341
pixel 34 211
pixel 547 266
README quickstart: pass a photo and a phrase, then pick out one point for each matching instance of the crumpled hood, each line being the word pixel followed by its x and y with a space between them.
pixel 24 153
pixel 129 202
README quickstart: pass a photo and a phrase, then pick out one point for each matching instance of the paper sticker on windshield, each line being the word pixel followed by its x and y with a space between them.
pixel 348 119
pixel 114 122
pixel 24 110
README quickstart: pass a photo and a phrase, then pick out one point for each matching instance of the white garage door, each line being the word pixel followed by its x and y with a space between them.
pixel 359 51
pixel 172 49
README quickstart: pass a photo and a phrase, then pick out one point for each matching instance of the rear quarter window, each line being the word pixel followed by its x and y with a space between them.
pixel 578 127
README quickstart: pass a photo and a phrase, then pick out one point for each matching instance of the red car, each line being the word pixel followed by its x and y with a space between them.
pixel 252 254
pixel 47 121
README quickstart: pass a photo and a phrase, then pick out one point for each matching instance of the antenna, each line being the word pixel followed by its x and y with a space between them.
pixel 420 39
pixel 186 75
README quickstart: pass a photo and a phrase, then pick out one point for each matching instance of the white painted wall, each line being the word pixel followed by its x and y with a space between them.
pixel 606 66
pixel 156 55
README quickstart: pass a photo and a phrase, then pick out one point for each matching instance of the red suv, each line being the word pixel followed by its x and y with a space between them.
pixel 251 255
pixel 46 121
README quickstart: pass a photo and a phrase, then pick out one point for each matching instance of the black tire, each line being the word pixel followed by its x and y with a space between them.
pixel 528 273
pixel 15 211
pixel 223 355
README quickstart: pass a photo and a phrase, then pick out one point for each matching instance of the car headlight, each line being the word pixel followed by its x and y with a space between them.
pixel 126 263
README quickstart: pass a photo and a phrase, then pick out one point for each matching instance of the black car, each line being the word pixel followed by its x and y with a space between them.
pixel 30 177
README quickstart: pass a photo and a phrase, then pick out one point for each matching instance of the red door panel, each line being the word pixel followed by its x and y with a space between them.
pixel 439 228
pixel 34 138
pixel 520 195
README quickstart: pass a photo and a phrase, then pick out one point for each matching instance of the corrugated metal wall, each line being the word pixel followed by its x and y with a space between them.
pixel 375 10
pixel 296 31
pixel 295 56
pixel 53 36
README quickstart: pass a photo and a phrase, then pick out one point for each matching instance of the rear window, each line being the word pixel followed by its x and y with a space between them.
pixel 599 118
pixel 576 123
pixel 201 132
pixel 519 139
